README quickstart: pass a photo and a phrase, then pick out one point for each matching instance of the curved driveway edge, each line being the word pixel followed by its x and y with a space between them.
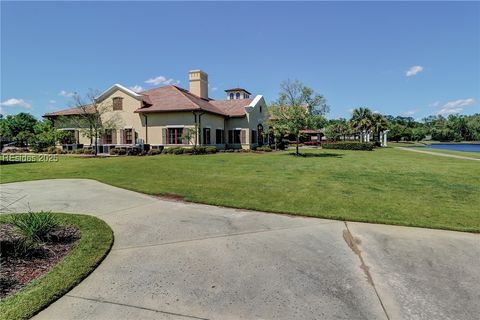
pixel 175 260
pixel 437 153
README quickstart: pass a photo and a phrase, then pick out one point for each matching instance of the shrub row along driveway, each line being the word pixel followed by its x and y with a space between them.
pixel 174 260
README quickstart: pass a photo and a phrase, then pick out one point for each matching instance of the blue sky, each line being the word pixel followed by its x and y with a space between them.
pixel 399 58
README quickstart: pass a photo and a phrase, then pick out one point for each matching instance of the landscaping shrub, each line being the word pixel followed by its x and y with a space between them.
pixel 88 151
pixel 349 145
pixel 78 151
pixel 188 151
pixel 15 150
pixel 53 150
pixel 35 226
pixel 199 150
pixel 113 152
pixel 154 152
pixel 312 143
pixel 146 147
pixel 177 151
pixel 264 148
pixel 211 149
pixel 133 151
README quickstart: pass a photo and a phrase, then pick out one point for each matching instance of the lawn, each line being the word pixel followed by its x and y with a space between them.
pixel 95 242
pixel 384 186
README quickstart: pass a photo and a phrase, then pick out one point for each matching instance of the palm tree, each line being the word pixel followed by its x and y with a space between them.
pixel 379 124
pixel 361 121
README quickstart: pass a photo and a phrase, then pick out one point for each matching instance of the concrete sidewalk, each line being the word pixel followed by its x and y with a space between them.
pixel 175 260
pixel 437 153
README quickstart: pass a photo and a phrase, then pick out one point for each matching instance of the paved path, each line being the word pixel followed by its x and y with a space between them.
pixel 174 260
pixel 437 153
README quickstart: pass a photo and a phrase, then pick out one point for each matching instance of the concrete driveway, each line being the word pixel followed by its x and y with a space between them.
pixel 174 260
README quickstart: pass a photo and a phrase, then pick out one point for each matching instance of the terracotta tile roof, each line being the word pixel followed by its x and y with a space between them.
pixel 237 89
pixel 173 98
pixel 69 111
pixel 234 107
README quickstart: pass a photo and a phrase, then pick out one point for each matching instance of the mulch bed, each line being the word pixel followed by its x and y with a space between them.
pixel 16 272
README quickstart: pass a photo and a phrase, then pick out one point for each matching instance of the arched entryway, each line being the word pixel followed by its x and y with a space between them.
pixel 260 134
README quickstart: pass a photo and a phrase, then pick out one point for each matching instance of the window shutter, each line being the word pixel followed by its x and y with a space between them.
pixel 134 141
pixel 184 131
pixel 243 136
pixel 114 136
pixel 164 136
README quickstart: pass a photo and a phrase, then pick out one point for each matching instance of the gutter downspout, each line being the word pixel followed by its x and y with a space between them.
pixel 200 128
pixel 146 128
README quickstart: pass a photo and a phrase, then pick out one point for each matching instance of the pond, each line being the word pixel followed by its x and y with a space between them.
pixel 455 147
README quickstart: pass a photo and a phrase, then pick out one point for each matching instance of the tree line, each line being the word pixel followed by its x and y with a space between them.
pixel 297 108
pixel 453 128
pixel 23 130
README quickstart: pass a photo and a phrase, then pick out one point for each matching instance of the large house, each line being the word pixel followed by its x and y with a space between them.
pixel 161 117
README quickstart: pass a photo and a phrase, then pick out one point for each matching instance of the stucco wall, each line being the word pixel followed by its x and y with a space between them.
pixel 253 118
pixel 157 122
pixel 125 118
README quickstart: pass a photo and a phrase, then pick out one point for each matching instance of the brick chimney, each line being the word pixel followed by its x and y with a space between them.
pixel 198 83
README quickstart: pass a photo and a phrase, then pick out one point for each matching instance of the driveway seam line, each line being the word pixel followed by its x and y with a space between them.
pixel 124 209
pixel 136 307
pixel 350 240
pixel 222 236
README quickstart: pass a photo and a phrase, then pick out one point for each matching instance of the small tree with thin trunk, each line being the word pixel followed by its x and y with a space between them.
pixel 190 134
pixel 94 117
pixel 297 108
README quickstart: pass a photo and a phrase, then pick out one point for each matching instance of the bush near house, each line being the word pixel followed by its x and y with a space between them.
pixel 194 150
pixel 264 148
pixel 154 152
pixel 312 143
pixel 349 145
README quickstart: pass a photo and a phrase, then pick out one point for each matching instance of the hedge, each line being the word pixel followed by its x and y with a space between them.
pixel 349 145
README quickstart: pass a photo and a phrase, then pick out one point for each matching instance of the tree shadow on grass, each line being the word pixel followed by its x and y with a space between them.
pixel 316 155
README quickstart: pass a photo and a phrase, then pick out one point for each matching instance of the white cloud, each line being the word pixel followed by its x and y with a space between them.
pixel 435 104
pixel 137 88
pixel 214 88
pixel 52 101
pixel 456 106
pixel 64 93
pixel 161 80
pixel 413 71
pixel 16 103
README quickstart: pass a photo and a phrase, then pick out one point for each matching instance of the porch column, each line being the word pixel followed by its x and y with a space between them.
pixel 385 137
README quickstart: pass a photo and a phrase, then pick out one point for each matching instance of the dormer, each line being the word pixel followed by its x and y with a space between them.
pixel 237 93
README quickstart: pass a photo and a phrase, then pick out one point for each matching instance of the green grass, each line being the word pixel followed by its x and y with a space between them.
pixel 95 242
pixel 387 185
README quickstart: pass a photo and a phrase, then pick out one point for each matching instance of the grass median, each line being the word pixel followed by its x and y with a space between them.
pixel 387 185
